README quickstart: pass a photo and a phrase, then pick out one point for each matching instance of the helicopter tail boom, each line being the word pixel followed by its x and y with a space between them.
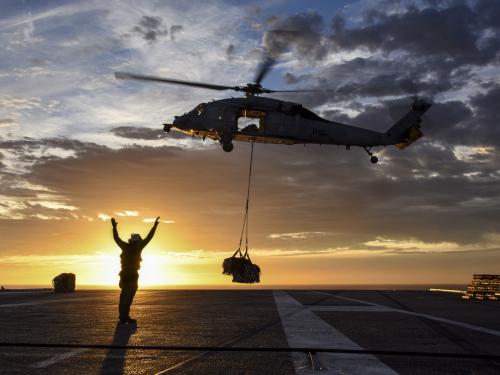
pixel 407 129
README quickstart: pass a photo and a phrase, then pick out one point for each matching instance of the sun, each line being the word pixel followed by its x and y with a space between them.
pixel 156 270
pixel 103 269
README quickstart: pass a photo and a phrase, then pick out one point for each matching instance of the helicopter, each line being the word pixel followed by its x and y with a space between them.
pixel 258 119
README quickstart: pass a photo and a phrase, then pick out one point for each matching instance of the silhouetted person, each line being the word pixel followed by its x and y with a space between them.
pixel 130 264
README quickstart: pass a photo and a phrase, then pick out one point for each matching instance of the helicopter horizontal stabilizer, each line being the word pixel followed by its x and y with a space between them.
pixel 412 135
pixel 407 129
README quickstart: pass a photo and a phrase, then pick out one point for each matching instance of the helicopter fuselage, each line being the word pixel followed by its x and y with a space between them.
pixel 267 120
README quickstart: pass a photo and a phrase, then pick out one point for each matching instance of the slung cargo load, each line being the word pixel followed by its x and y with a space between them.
pixel 241 268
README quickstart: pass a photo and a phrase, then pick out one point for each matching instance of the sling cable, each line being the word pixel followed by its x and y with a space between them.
pixel 239 265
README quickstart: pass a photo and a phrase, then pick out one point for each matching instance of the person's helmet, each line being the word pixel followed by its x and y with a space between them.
pixel 135 237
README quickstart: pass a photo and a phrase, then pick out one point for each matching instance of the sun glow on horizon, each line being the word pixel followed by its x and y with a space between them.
pixel 102 268
pixel 156 269
pixel 159 270
pixel 202 268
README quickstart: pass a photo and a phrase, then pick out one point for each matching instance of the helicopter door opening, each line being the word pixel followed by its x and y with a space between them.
pixel 250 121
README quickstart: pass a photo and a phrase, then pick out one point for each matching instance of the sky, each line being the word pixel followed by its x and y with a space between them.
pixel 78 147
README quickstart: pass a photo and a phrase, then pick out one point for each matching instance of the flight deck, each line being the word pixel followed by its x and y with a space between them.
pixel 249 332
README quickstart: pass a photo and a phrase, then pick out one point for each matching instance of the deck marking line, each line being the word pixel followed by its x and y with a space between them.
pixel 59 357
pixel 349 308
pixel 181 363
pixel 303 328
pixel 427 316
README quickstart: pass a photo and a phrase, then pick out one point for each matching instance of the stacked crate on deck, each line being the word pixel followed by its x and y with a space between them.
pixel 64 283
pixel 483 287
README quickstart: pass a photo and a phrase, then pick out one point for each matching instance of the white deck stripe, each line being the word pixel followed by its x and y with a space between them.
pixel 350 308
pixel 427 316
pixel 303 328
pixel 59 357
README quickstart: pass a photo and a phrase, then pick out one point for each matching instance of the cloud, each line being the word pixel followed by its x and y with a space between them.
pixel 175 29
pixel 46 217
pixel 10 208
pixel 6 122
pixel 414 30
pixel 127 213
pixel 385 201
pixel 17 103
pixel 470 154
pixel 22 199
pixel 147 134
pixel 487 242
pixel 301 32
pixel 104 217
pixel 411 244
pixel 296 236
pixel 230 51
pixel 392 51
pixel 83 43
pixel 300 252
pixel 54 205
pixel 153 219
pixel 150 28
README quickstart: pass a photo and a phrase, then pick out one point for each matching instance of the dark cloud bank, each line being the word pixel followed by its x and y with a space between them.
pixel 431 50
pixel 421 193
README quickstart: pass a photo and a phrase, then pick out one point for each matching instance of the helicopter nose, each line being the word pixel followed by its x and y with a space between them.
pixel 178 121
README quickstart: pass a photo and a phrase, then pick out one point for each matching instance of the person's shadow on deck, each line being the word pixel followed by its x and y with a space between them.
pixel 114 363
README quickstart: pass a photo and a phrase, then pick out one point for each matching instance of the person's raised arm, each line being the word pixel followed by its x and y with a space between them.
pixel 151 232
pixel 116 237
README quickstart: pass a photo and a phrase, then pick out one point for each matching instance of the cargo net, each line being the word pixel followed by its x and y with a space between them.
pixel 241 268
pixel 239 265
pixel 64 283
pixel 483 287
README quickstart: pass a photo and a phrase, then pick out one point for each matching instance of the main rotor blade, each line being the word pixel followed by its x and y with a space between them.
pixel 264 68
pixel 140 77
pixel 267 91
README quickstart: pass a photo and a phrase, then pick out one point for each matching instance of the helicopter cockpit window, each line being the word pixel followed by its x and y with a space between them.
pixel 199 110
pixel 251 121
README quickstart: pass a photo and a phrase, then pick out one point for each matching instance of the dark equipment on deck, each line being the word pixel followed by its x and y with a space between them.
pixel 241 267
pixel 483 287
pixel 64 283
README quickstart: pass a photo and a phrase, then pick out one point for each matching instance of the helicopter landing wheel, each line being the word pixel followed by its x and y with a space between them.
pixel 228 146
pixel 373 158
